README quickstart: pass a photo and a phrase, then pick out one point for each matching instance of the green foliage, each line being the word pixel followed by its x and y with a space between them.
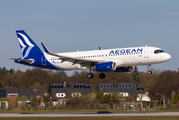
pixel 36 85
pixel 175 99
pixel 46 99
pixel 108 98
pixel 75 99
pixel 4 99
pixel 98 96
pixel 22 98
pixel 105 98
pixel 115 97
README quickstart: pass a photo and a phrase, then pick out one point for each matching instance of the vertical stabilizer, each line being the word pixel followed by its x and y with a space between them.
pixel 27 45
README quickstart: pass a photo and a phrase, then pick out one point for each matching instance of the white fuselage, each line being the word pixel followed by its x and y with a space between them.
pixel 134 56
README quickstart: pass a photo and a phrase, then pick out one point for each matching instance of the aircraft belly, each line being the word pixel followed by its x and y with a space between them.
pixel 130 61
pixel 70 66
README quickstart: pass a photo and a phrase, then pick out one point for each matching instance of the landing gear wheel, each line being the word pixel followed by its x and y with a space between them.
pixel 102 76
pixel 89 75
pixel 150 72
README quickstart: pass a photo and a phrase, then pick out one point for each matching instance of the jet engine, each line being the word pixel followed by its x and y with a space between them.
pixel 107 66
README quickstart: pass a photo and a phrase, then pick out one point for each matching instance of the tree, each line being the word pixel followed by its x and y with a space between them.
pixel 2 73
pixel 140 94
pixel 36 85
pixel 49 88
pixel 166 83
pixel 1 85
pixel 22 98
pixel 175 99
pixel 14 80
pixel 135 76
pixel 75 99
pixel 21 101
pixel 11 71
pixel 115 97
pixel 111 97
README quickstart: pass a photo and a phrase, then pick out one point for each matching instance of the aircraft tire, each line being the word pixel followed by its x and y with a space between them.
pixel 89 75
pixel 150 72
pixel 102 76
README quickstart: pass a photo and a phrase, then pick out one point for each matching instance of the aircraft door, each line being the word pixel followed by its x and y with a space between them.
pixel 146 52
pixel 43 60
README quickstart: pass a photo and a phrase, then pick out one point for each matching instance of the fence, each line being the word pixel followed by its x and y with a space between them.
pixel 125 106
pixel 92 106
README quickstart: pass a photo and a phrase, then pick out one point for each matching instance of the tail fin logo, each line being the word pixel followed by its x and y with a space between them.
pixel 25 44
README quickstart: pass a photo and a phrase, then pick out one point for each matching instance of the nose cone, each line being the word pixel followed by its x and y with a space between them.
pixel 167 57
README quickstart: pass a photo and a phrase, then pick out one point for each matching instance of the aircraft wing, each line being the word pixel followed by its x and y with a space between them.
pixel 82 62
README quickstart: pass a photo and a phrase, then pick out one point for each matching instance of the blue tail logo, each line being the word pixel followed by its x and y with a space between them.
pixel 27 45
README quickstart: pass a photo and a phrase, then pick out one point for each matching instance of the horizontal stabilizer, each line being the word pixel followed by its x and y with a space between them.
pixel 24 60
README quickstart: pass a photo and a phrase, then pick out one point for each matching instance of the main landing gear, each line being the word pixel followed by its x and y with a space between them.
pixel 90 75
pixel 149 70
pixel 102 76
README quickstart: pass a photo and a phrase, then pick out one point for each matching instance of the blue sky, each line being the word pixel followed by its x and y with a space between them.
pixel 68 25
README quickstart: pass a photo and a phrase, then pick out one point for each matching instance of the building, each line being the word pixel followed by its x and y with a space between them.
pixel 62 91
pixel 12 94
pixel 143 97
pixel 16 92
pixel 125 89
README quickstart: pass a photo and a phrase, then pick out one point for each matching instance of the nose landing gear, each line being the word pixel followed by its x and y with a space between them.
pixel 149 70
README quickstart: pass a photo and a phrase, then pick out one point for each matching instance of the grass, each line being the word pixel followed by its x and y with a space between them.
pixel 95 118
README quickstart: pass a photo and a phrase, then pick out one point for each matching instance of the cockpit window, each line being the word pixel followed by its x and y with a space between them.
pixel 158 51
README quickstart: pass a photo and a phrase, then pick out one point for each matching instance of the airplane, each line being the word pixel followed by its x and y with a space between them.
pixel 102 60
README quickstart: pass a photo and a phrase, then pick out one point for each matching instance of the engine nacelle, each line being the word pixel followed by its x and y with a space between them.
pixel 123 69
pixel 107 66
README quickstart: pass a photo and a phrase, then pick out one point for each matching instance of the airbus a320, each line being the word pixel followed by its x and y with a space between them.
pixel 102 60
